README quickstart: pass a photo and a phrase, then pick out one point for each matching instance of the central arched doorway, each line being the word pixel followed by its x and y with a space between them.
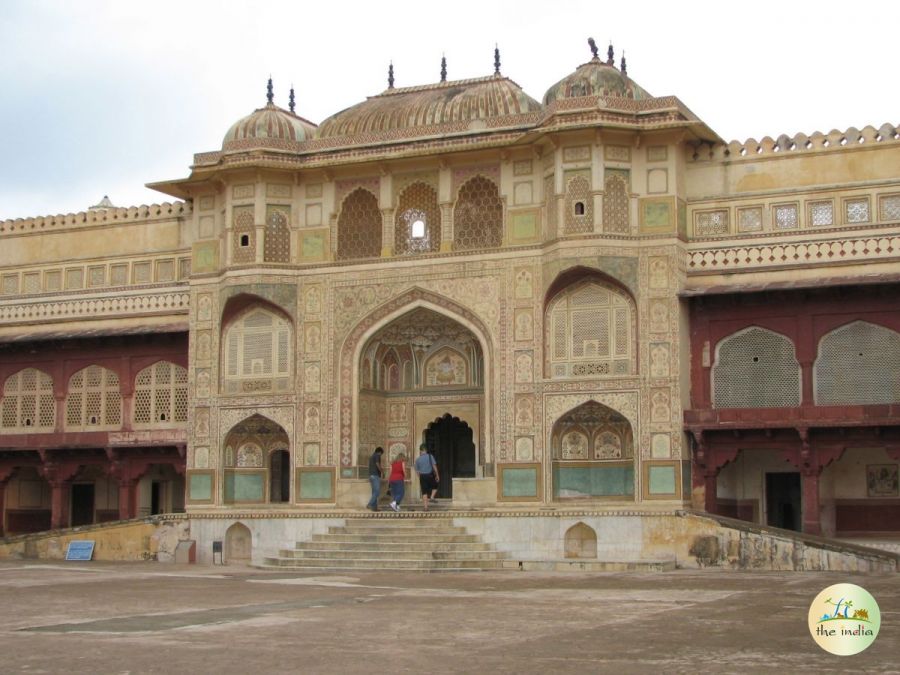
pixel 450 441
pixel 416 374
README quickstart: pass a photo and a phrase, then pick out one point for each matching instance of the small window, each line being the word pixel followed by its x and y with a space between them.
pixel 579 208
pixel 245 240
pixel 418 229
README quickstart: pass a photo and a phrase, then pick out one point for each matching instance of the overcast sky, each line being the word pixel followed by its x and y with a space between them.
pixel 100 97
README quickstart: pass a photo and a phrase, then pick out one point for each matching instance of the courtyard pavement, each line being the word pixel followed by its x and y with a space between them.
pixel 96 617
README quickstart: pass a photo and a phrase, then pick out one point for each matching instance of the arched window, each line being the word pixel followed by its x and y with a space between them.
pixel 257 347
pixel 858 364
pixel 93 399
pixel 478 215
pixel 418 224
pixel 160 395
pixel 616 202
pixel 755 368
pixel 28 401
pixel 244 235
pixel 277 242
pixel 359 226
pixel 579 205
pixel 590 331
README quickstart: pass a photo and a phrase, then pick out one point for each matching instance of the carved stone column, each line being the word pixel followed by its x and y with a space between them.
pixel 446 226
pixel 387 233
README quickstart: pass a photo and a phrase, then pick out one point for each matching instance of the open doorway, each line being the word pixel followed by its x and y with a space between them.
pixel 82 504
pixel 783 500
pixel 449 439
pixel 280 477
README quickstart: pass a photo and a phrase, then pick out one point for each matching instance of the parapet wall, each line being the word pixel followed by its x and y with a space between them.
pixel 98 217
pixel 799 143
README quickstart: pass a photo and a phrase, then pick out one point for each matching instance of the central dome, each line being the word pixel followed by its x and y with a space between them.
pixel 595 78
pixel 461 102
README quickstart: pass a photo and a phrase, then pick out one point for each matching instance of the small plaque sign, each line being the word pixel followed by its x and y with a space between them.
pixel 80 550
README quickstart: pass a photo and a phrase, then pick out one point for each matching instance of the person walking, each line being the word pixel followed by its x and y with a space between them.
pixel 426 467
pixel 395 481
pixel 375 477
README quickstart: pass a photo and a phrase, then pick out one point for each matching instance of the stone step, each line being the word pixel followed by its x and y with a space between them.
pixel 399 520
pixel 382 564
pixel 390 555
pixel 328 545
pixel 423 538
pixel 334 569
pixel 401 530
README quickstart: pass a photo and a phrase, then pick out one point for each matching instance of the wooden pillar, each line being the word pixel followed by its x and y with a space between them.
pixel 59 503
pixel 812 523
pixel 126 498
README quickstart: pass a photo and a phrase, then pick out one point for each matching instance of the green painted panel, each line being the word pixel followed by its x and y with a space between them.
pixel 519 482
pixel 657 216
pixel 662 480
pixel 524 225
pixel 244 487
pixel 315 485
pixel 200 487
pixel 313 246
pixel 593 481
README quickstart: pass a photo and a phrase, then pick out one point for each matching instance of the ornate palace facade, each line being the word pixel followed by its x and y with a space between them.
pixel 590 299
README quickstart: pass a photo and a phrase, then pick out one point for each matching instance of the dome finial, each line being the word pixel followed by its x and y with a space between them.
pixel 291 98
pixel 622 66
pixel 443 68
pixel 593 46
pixel 269 95
pixel 496 59
pixel 391 75
pixel 610 56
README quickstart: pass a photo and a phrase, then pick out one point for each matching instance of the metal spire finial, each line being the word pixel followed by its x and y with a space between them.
pixel 291 98
pixel 622 66
pixel 496 59
pixel 610 57
pixel 269 95
pixel 593 46
pixel 443 68
pixel 391 75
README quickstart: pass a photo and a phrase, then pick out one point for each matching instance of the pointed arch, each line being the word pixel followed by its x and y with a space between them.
pixel 93 400
pixel 418 220
pixel 477 215
pixel 358 337
pixel 359 229
pixel 580 542
pixel 28 402
pixel 160 395
pixel 257 345
pixel 238 543
pixel 755 368
pixel 858 363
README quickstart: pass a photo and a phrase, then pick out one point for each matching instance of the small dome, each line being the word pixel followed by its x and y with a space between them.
pixel 595 78
pixel 266 125
pixel 461 102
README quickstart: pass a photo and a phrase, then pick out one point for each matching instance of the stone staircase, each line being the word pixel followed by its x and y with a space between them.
pixel 392 542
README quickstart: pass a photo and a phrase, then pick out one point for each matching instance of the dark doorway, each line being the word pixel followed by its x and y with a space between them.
pixel 82 504
pixel 450 441
pixel 155 497
pixel 280 476
pixel 783 500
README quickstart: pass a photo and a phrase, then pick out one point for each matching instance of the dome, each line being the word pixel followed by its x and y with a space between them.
pixel 595 78
pixel 268 126
pixel 461 102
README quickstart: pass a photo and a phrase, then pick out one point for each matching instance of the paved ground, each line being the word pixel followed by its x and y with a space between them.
pixel 154 618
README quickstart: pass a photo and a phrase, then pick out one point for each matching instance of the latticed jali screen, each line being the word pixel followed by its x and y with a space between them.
pixel 257 348
pixel 858 364
pixel 160 395
pixel 277 240
pixel 590 332
pixel 28 401
pixel 756 368
pixel 417 203
pixel 478 216
pixel 579 205
pixel 359 227
pixel 244 235
pixel 616 202
pixel 94 398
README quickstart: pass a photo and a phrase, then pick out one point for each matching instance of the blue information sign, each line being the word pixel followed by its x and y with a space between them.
pixel 80 550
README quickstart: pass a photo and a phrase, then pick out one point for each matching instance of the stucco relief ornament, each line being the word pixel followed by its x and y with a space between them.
pixel 313 300
pixel 204 307
pixel 311 423
pixel 525 412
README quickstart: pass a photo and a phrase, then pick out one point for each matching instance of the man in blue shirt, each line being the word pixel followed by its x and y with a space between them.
pixel 426 467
